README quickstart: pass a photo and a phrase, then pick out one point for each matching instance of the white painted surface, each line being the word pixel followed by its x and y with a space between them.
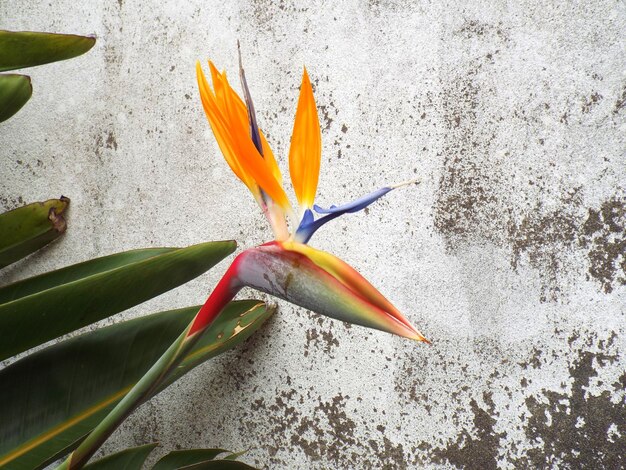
pixel 512 116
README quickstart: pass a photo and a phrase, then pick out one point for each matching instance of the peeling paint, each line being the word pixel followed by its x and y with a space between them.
pixel 578 429
pixel 474 452
pixel 604 235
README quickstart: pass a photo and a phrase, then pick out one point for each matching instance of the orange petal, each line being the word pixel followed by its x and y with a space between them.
pixel 228 117
pixel 305 151
pixel 268 155
pixel 220 128
pixel 249 157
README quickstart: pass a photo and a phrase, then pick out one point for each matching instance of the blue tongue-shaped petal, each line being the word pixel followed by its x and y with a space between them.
pixel 308 225
pixel 356 205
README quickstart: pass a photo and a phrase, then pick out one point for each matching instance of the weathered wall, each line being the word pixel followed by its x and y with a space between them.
pixel 509 255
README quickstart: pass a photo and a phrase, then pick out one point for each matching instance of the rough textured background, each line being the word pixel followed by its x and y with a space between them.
pixel 509 255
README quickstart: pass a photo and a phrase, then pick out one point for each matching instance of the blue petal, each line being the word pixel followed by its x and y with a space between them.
pixel 307 219
pixel 356 205
pixel 308 226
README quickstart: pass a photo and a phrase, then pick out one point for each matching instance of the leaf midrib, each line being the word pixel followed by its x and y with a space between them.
pixel 92 276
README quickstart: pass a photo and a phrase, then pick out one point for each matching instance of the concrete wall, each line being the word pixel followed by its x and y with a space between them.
pixel 509 255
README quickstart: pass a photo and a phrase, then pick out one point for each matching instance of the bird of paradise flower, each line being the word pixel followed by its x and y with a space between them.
pixel 286 267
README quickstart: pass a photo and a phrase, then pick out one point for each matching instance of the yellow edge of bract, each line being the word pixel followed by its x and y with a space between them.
pixel 353 280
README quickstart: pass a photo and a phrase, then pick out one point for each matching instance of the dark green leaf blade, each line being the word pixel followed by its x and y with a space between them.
pixel 15 91
pixel 181 458
pixel 28 228
pixel 39 309
pixel 76 272
pixel 20 49
pixel 59 394
pixel 127 459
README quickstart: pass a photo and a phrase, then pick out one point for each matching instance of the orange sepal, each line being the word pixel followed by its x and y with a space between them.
pixel 305 151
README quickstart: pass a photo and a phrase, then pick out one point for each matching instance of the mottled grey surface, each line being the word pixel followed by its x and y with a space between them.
pixel 509 255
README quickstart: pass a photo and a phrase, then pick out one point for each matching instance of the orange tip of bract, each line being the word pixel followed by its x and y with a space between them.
pixel 422 339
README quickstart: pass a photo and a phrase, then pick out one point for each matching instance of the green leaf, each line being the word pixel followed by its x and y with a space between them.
pixel 39 309
pixel 128 459
pixel 218 465
pixel 26 229
pixel 15 91
pixel 19 49
pixel 59 394
pixel 180 458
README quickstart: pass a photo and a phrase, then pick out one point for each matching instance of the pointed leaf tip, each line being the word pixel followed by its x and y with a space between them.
pixel 44 307
pixel 15 91
pixel 20 49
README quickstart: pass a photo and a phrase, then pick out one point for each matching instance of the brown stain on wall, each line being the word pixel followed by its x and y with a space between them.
pixel 327 433
pixel 471 190
pixel 578 429
pixel 550 239
pixel 603 234
pixel 322 340
pixel 546 238
pixel 575 427
pixel 620 101
pixel 478 451
pixel 482 194
pixel 474 204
